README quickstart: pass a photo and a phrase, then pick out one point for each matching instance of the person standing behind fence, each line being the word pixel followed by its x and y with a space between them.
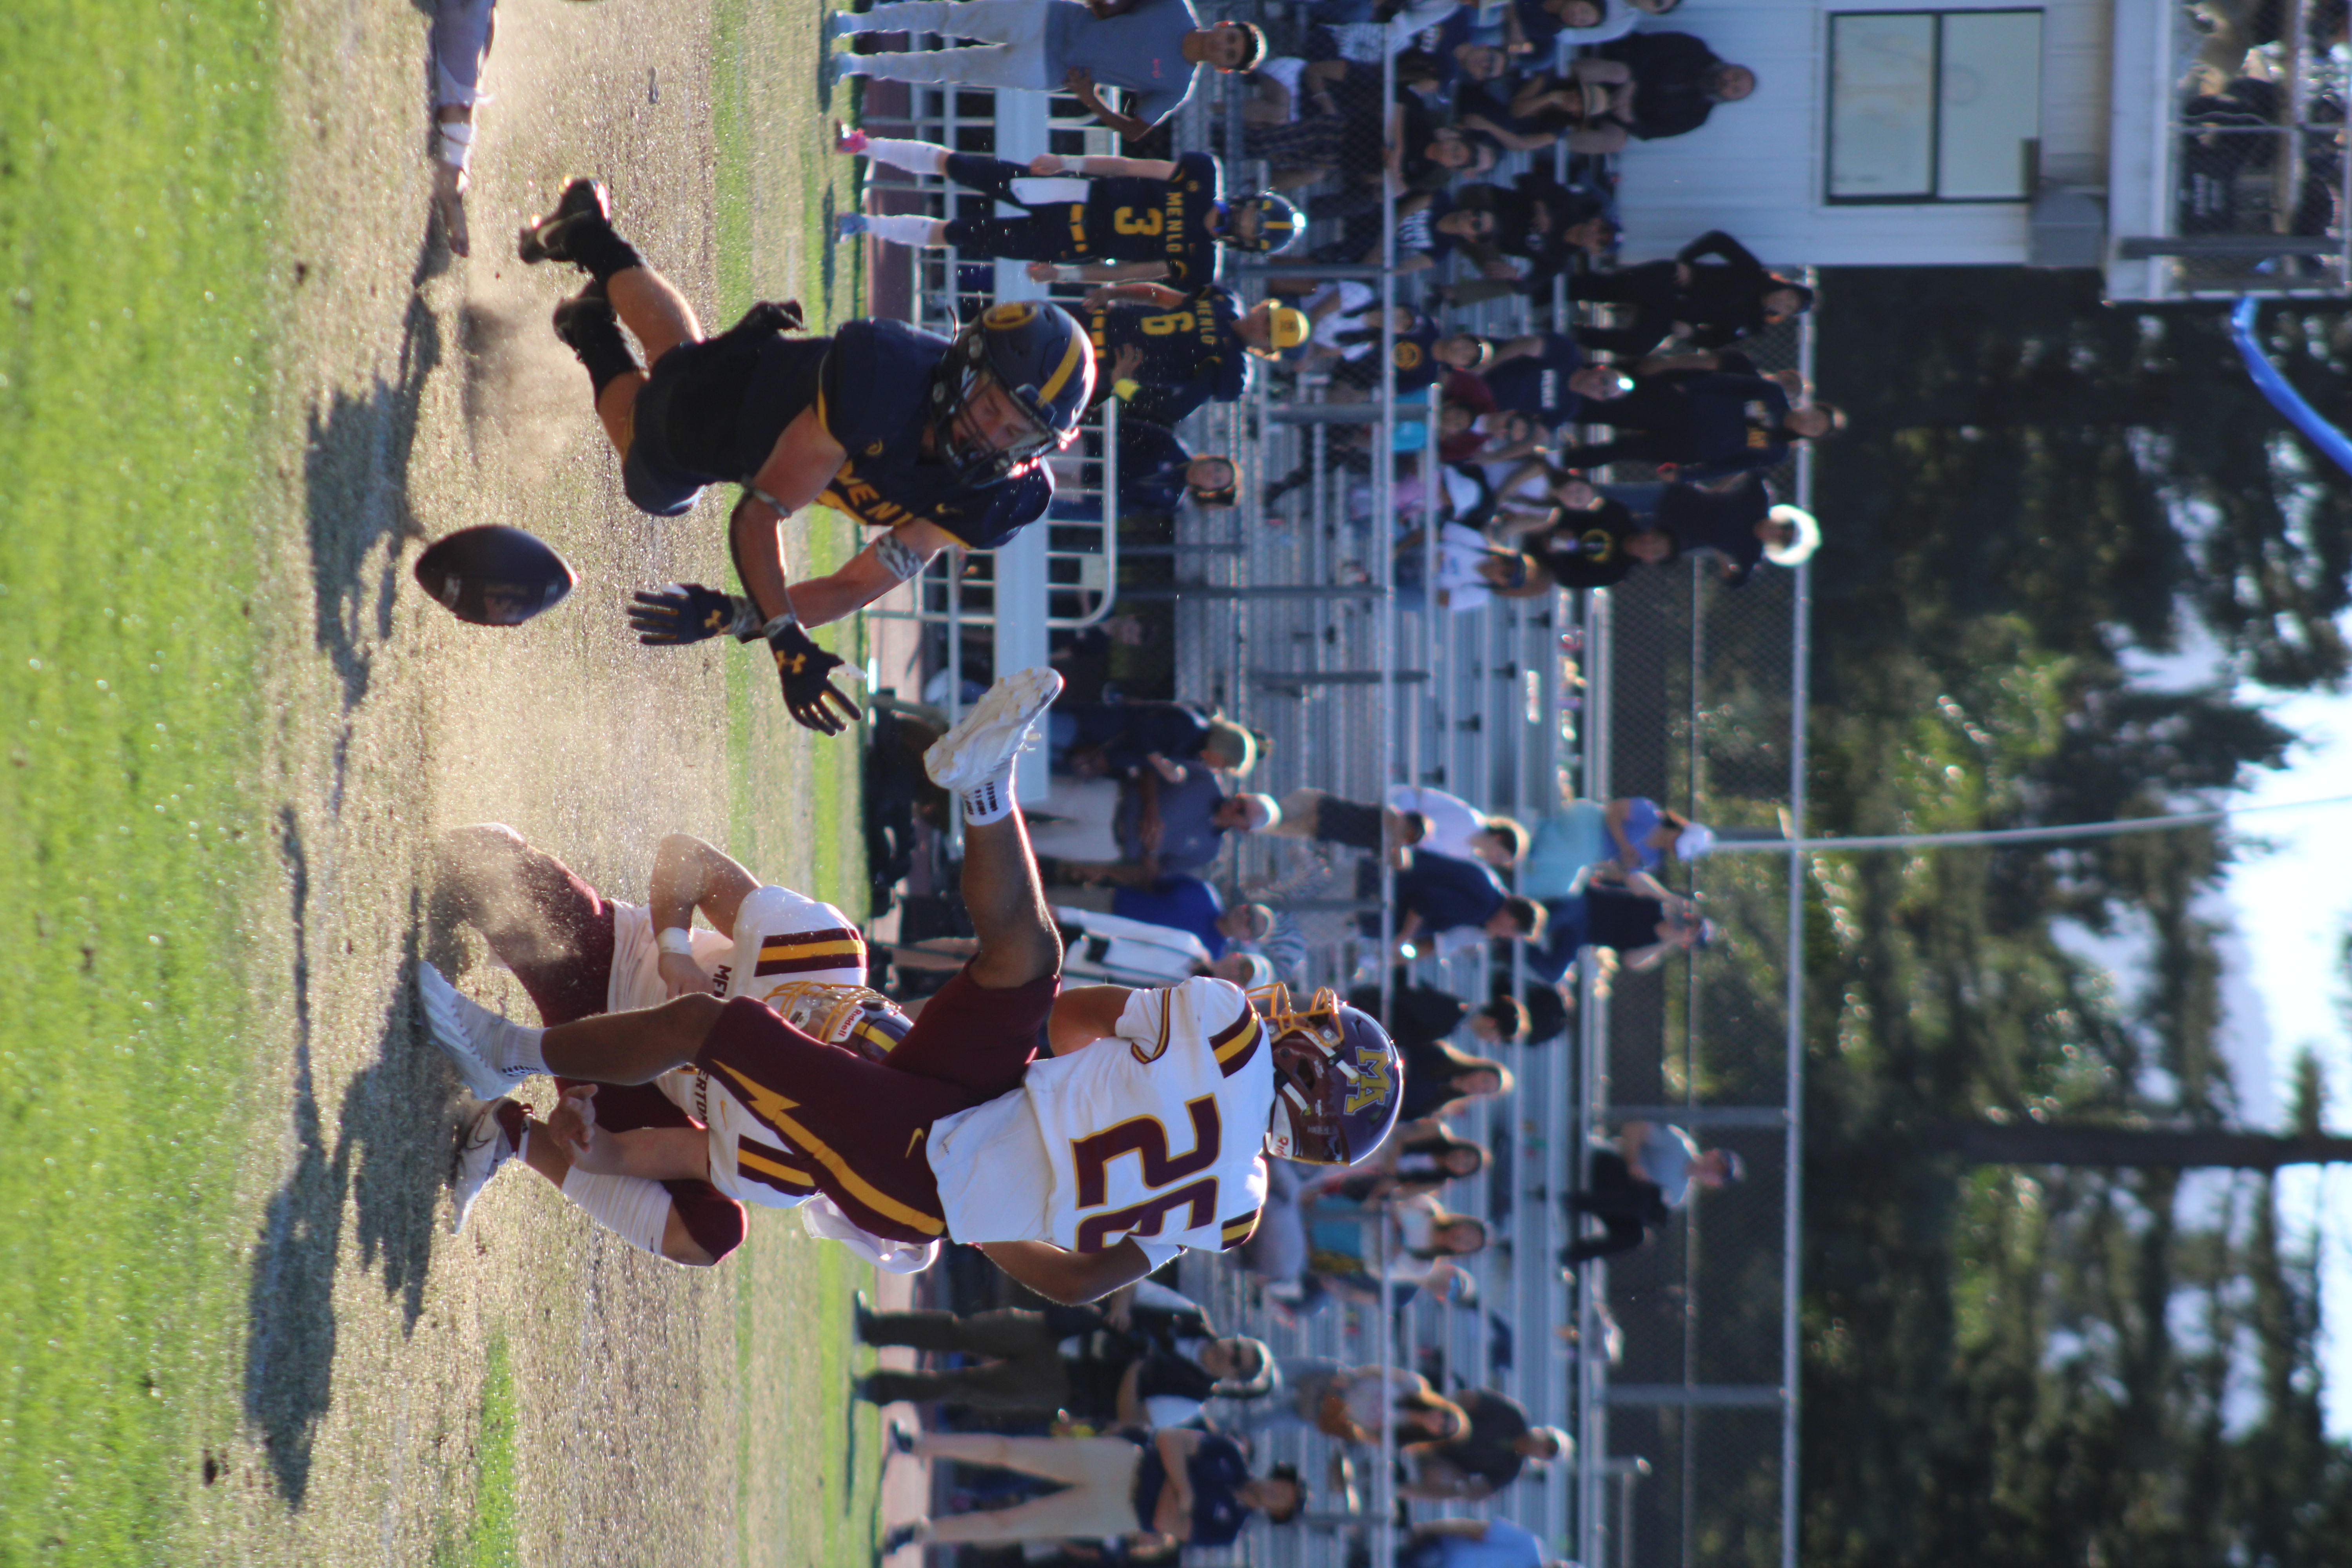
pixel 1634 1188
pixel 1500 1445
pixel 1475 1544
pixel 1148 48
pixel 1708 305
pixel 1706 416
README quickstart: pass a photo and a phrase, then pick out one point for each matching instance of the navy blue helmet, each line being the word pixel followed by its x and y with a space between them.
pixel 1039 354
pixel 1278 223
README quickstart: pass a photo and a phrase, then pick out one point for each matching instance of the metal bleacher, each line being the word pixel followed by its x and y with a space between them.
pixel 1283 618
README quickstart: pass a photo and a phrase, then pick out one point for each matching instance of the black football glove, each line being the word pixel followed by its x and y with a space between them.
pixel 809 696
pixel 678 614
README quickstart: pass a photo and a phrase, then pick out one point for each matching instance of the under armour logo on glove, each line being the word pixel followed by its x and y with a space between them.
pixel 680 613
pixel 802 667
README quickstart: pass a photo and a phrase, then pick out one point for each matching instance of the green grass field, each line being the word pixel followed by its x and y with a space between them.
pixel 141 179
pixel 132 385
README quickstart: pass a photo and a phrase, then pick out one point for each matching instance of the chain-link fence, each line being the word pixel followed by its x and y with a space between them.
pixel 1670 1366
pixel 2259 180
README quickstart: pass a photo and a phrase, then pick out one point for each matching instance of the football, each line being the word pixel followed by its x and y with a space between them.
pixel 494 576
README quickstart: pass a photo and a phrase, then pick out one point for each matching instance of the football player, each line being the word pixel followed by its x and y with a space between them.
pixel 1185 349
pixel 938 443
pixel 1124 218
pixel 1143 1129
pixel 579 954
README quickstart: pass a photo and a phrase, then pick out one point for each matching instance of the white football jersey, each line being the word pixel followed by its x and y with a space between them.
pixel 1156 1135
pixel 781 937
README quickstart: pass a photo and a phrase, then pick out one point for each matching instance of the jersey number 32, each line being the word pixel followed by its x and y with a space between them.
pixel 1168 1176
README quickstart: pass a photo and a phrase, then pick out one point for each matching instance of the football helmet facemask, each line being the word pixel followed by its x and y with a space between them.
pixel 1278 223
pixel 864 1021
pixel 1338 1081
pixel 1039 355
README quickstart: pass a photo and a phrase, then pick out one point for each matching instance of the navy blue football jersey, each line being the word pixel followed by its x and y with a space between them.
pixel 874 399
pixel 1190 352
pixel 1129 219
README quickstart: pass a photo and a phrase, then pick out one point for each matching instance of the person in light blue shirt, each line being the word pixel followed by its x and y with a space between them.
pixel 1147 47
pixel 1476 1543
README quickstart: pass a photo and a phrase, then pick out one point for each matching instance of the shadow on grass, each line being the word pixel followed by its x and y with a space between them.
pixel 389 1159
pixel 355 497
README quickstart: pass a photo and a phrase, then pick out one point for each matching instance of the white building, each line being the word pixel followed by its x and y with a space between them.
pixel 1993 132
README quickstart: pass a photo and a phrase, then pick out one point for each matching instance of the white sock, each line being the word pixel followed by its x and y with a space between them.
pixel 992 799
pixel 634 1208
pixel 915 157
pixel 508 1045
pixel 907 228
pixel 455 141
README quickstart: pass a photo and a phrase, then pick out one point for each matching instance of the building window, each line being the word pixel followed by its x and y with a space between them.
pixel 1933 106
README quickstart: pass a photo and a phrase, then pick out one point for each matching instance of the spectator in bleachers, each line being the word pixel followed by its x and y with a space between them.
pixel 1093 739
pixel 1190 904
pixel 1739 525
pixel 1501 1443
pixel 1705 304
pixel 1143 1356
pixel 1635 1187
pixel 1632 830
pixel 1446 905
pixel 1440 1081
pixel 1329 124
pixel 1673 79
pixel 1707 416
pixel 1149 48
pixel 1451 825
pixel 1471 573
pixel 1545 376
pixel 1539 220
pixel 1352 1404
pixel 1344 1243
pixel 1420 1014
pixel 1413 1167
pixel 1475 1544
pixel 1187 1485
pixel 1546 1004
pixel 1137 831
pixel 1157 473
pixel 1639 920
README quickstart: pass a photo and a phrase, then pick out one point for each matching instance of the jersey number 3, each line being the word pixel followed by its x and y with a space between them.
pixel 1148 1140
pixel 1127 220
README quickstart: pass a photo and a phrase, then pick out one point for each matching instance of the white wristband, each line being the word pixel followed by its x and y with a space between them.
pixel 677 940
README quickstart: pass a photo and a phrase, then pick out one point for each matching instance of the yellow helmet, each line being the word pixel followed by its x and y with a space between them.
pixel 1286 327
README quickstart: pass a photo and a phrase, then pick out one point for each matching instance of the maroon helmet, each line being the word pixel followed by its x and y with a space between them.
pixel 1339 1082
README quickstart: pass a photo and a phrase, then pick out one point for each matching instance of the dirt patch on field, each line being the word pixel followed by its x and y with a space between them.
pixel 421 394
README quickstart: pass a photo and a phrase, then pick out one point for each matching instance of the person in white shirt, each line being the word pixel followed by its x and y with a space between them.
pixel 1143 1132
pixel 1454 826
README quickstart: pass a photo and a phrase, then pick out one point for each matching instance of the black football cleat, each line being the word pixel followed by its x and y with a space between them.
pixel 545 238
pixel 586 312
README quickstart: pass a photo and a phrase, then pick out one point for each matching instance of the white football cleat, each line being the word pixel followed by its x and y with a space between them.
pixel 997 729
pixel 483 1145
pixel 467 1033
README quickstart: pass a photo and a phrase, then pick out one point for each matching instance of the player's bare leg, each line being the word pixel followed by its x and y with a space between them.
pixel 1018 943
pixel 624 291
pixel 494 1054
pixel 493 1133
